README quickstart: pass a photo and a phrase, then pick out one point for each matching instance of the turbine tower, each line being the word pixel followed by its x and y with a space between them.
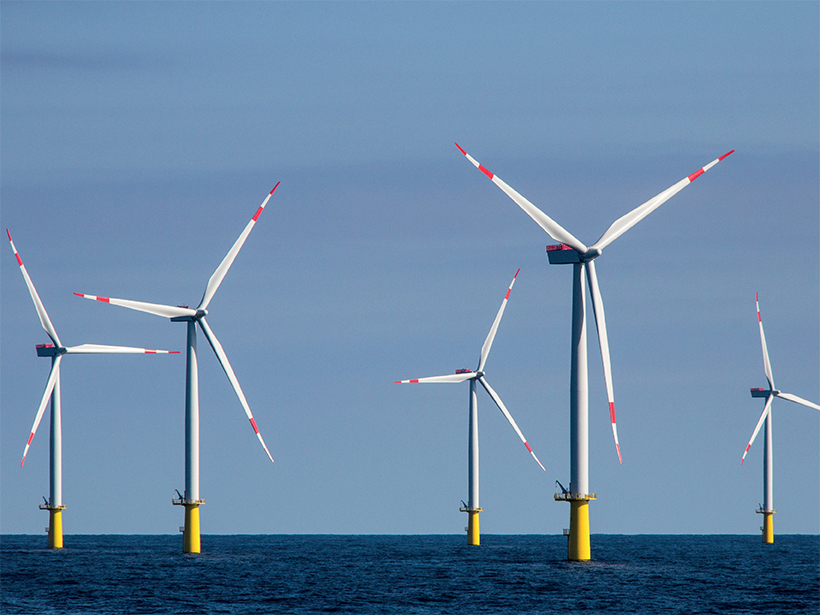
pixel 56 350
pixel 581 257
pixel 191 500
pixel 767 510
pixel 472 508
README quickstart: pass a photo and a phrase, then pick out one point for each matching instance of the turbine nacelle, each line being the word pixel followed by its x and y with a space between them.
pixel 49 350
pixel 562 254
pixel 470 374
pixel 759 392
pixel 193 317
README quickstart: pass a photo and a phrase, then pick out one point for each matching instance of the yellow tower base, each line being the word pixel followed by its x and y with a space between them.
pixel 190 532
pixel 190 535
pixel 473 532
pixel 768 525
pixel 578 549
pixel 55 525
pixel 55 528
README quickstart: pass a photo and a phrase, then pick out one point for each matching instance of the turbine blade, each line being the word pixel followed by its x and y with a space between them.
pixel 766 410
pixel 488 343
pixel 167 311
pixel 103 349
pixel 222 270
pixel 52 380
pixel 603 341
pixel 448 378
pixel 767 366
pixel 507 414
pixel 798 400
pixel 38 305
pixel 553 229
pixel 626 222
pixel 226 365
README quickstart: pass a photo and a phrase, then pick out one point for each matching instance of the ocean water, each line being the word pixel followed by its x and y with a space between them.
pixel 410 574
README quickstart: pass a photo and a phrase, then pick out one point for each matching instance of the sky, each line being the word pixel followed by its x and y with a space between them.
pixel 138 139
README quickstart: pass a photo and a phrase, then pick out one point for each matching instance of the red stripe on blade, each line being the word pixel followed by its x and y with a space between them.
pixel 19 261
pixel 457 145
pixel 30 438
pixel 277 185
pixel 695 175
pixel 724 155
pixel 507 296
pixel 415 380
pixel 483 169
pixel 256 215
pixel 612 411
pixel 528 447
pixel 253 424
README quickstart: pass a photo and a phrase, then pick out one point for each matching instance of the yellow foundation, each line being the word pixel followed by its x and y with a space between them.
pixel 578 549
pixel 473 533
pixel 55 528
pixel 768 527
pixel 190 534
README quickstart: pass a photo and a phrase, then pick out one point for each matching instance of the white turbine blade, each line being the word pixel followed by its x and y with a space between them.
pixel 52 380
pixel 553 229
pixel 167 311
pixel 767 366
pixel 626 222
pixel 38 305
pixel 798 400
pixel 222 270
pixel 103 349
pixel 448 378
pixel 766 410
pixel 603 341
pixel 507 414
pixel 488 343
pixel 226 365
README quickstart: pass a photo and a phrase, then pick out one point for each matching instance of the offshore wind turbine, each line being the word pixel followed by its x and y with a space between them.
pixel 767 510
pixel 472 508
pixel 191 500
pixel 582 257
pixel 56 350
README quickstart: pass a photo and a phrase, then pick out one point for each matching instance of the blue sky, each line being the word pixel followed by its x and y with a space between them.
pixel 139 138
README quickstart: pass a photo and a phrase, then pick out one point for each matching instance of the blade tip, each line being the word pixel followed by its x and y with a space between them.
pixel 461 150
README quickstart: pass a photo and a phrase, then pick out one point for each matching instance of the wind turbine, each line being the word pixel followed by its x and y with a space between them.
pixel 191 500
pixel 472 507
pixel 769 394
pixel 56 350
pixel 582 257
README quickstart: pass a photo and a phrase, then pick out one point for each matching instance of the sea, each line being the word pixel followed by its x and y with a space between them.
pixel 249 574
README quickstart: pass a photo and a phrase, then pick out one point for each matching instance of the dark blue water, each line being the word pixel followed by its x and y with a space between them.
pixel 410 574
